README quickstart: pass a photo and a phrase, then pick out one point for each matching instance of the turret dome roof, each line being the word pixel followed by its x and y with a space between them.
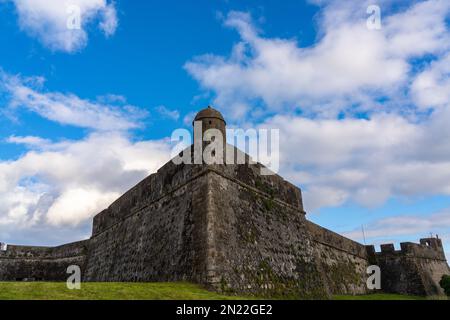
pixel 209 113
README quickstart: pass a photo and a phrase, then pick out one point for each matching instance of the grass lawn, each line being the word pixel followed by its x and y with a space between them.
pixel 137 291
pixel 379 296
pixel 107 291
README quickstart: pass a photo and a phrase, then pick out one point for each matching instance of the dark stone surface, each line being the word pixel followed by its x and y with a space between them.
pixel 343 262
pixel 415 269
pixel 161 240
pixel 24 263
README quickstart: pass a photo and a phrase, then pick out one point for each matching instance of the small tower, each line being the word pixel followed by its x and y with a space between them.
pixel 210 118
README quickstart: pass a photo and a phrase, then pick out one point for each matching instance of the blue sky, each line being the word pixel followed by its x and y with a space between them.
pixel 85 114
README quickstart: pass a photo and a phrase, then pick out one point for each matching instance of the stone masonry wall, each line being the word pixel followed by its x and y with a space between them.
pixel 415 269
pixel 262 244
pixel 343 262
pixel 160 230
pixel 258 244
pixel 19 263
pixel 154 233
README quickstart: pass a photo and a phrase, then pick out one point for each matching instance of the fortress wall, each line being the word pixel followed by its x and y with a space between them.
pixel 74 249
pixel 434 265
pixel 171 205
pixel 272 185
pixel 159 238
pixel 14 251
pixel 415 269
pixel 128 203
pixel 263 245
pixel 334 240
pixel 429 248
pixel 343 262
pixel 258 244
pixel 152 188
pixel 431 273
pixel 41 263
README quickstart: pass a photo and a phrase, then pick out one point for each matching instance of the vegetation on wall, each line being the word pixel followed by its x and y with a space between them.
pixel 445 284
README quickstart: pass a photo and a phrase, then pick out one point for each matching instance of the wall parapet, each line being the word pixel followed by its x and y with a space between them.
pixel 335 240
pixel 171 178
pixel 74 249
pixel 428 248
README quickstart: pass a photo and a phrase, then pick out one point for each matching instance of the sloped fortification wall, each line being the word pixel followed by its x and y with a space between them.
pixel 342 262
pixel 155 232
pixel 415 269
pixel 19 263
pixel 262 244
pixel 258 241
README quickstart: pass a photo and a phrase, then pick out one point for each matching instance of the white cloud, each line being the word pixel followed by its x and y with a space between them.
pixel 69 108
pixel 391 229
pixel 29 141
pixel 166 112
pixel 347 69
pixel 110 22
pixel 78 205
pixel 189 118
pixel 431 87
pixel 365 161
pixel 405 225
pixel 59 183
pixel 69 182
pixel 47 20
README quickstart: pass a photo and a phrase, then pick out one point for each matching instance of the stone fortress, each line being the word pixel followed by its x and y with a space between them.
pixel 230 229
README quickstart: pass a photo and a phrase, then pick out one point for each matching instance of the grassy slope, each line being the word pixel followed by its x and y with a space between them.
pixel 135 291
pixel 106 291
pixel 379 296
